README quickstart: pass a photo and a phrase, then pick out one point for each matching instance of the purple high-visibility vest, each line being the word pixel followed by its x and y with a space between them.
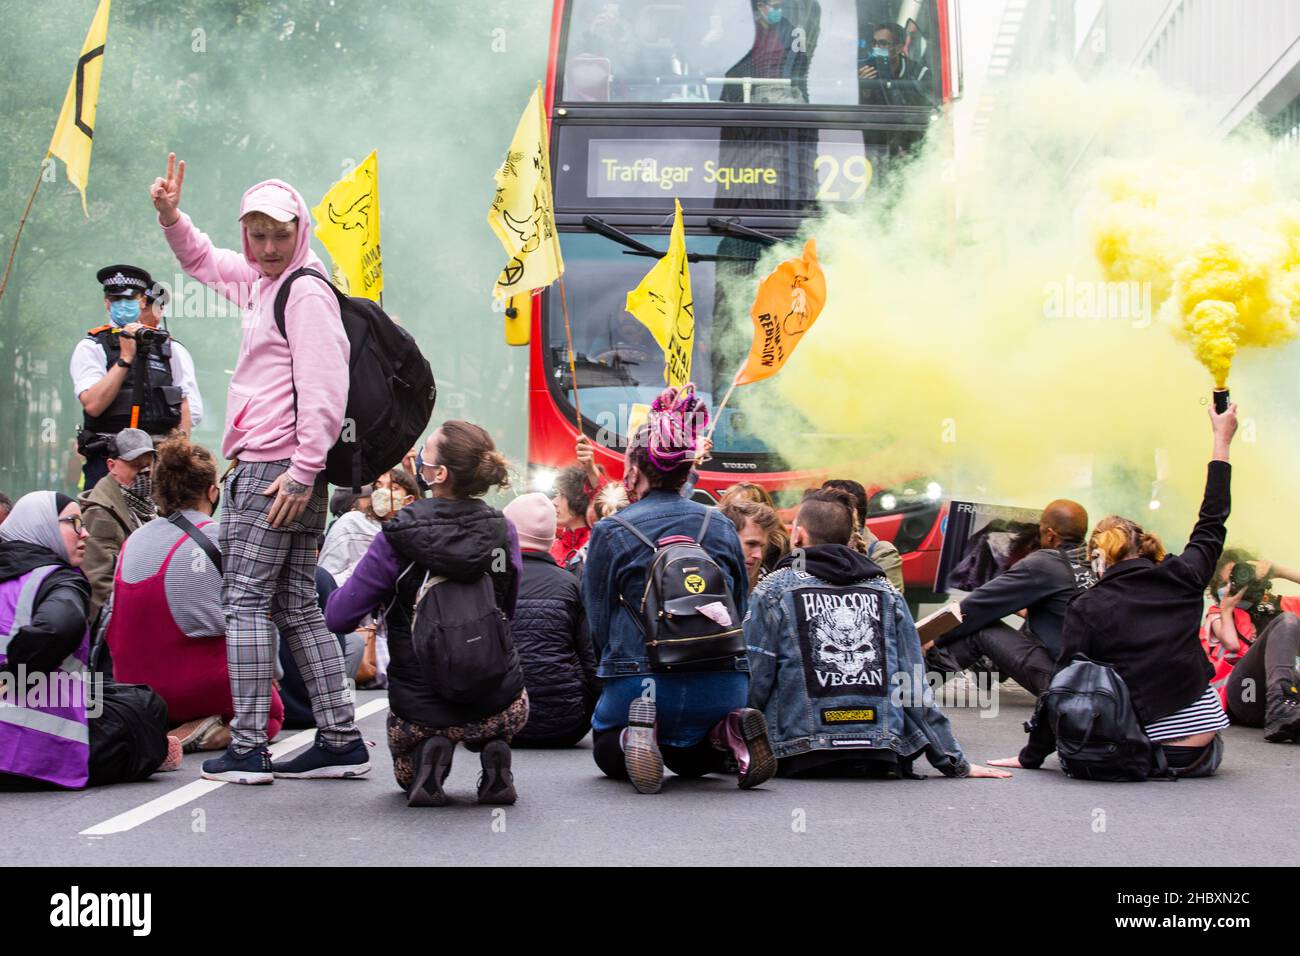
pixel 50 739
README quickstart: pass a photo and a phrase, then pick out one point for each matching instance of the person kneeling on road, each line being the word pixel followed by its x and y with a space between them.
pixel 827 636
pixel 443 560
pixel 675 702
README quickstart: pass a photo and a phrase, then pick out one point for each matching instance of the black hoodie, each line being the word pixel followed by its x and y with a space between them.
pixel 836 564
pixel 58 614
pixel 459 539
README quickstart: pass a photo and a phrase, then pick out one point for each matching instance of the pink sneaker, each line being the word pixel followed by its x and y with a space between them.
pixel 175 756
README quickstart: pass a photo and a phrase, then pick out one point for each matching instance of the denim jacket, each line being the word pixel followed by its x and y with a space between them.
pixel 836 663
pixel 617 563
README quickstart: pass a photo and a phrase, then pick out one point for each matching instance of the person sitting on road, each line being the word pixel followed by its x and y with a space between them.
pixel 758 527
pixel 1040 584
pixel 826 638
pixel 609 500
pixel 119 503
pixel 550 633
pixel 779 546
pixel 454 535
pixel 166 623
pixel 691 721
pixel 345 546
pixel 573 494
pixel 882 553
pixel 67 730
pixel 1252 638
pixel 1142 617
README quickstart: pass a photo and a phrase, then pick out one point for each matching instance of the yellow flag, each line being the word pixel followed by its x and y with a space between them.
pixel 788 302
pixel 75 130
pixel 523 213
pixel 347 222
pixel 663 304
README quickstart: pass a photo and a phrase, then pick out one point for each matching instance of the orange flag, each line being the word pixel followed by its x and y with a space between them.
pixel 788 302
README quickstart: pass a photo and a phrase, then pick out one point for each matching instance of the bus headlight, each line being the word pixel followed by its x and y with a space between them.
pixel 934 491
pixel 543 480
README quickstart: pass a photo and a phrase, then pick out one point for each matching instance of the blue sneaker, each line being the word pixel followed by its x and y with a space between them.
pixel 319 762
pixel 232 767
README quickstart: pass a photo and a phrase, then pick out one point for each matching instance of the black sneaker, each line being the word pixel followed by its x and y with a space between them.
pixel 1282 720
pixel 641 756
pixel 496 784
pixel 233 767
pixel 432 764
pixel 318 762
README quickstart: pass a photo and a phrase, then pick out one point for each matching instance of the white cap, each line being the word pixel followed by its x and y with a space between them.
pixel 271 200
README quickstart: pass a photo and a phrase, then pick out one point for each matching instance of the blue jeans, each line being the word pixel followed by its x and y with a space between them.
pixel 686 705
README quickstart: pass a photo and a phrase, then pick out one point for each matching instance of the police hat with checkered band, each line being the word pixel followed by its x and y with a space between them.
pixel 125 282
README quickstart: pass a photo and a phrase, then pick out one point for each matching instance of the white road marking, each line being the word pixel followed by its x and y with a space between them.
pixel 198 788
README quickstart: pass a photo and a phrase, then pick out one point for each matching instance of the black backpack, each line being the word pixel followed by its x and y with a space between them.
pixel 681 579
pixel 391 390
pixel 461 639
pixel 1098 736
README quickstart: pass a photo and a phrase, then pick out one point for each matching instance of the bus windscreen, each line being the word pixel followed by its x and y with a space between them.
pixel 781 53
pixel 618 363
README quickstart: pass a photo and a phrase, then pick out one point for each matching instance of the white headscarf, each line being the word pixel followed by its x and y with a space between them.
pixel 35 520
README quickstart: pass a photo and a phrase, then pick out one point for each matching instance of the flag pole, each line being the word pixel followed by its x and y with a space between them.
pixel 4 283
pixel 568 337
pixel 717 412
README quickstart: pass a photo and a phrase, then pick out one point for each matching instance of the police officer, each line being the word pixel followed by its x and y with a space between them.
pixel 128 373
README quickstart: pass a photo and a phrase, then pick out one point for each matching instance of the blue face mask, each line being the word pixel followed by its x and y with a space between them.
pixel 774 16
pixel 880 52
pixel 124 311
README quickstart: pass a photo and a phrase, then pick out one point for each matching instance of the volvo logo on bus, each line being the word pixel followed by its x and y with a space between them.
pixel 743 465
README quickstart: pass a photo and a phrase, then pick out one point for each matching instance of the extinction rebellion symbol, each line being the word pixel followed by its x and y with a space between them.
pixel 82 63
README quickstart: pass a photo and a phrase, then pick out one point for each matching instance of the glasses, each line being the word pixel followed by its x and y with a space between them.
pixel 76 522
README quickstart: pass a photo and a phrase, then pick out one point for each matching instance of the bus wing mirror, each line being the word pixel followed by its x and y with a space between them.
pixel 519 319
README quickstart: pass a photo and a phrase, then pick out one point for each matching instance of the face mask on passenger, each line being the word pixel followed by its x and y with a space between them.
pixel 381 502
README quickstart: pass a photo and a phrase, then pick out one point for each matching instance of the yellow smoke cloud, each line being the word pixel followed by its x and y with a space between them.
pixel 1002 324
pixel 1217 245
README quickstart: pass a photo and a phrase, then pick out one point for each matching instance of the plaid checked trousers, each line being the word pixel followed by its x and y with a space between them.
pixel 270 577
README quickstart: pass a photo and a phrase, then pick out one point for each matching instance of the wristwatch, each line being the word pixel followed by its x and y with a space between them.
pixel 120 364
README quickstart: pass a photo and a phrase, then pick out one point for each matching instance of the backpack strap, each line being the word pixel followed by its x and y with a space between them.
pixel 633 528
pixel 871 548
pixel 708 513
pixel 202 540
pixel 282 295
pixel 281 303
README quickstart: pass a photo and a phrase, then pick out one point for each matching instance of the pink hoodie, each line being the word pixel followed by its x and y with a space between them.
pixel 260 424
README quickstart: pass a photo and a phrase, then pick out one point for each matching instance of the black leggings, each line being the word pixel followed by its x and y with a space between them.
pixel 693 761
pixel 1269 664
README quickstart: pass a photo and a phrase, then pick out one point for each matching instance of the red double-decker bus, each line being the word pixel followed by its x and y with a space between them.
pixel 755 115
